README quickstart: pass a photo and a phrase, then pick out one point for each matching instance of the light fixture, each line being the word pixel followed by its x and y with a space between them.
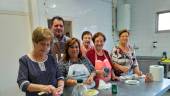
pixel 49 3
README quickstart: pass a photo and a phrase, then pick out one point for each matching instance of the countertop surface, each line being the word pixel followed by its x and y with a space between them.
pixel 141 89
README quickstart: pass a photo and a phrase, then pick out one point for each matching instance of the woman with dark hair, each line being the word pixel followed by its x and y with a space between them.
pixel 100 59
pixel 86 42
pixel 74 66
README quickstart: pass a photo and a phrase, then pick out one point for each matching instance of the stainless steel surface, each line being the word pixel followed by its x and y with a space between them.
pixel 142 89
pixel 148 57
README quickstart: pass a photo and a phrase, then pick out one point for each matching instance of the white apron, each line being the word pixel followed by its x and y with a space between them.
pixel 77 71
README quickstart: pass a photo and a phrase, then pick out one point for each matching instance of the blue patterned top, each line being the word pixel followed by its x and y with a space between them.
pixel 30 71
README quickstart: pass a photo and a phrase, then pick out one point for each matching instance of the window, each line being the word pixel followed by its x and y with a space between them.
pixel 163 21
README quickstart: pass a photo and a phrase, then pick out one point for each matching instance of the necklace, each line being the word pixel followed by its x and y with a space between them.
pixel 37 57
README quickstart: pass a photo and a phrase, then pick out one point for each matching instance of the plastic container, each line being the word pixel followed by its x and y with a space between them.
pixel 79 89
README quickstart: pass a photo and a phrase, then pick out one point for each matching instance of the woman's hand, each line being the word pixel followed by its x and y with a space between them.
pixel 89 80
pixel 115 78
pixel 54 91
pixel 148 77
pixel 57 91
pixel 137 71
pixel 47 88
pixel 124 69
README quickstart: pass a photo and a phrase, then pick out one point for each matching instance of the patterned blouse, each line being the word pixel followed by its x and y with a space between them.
pixel 124 58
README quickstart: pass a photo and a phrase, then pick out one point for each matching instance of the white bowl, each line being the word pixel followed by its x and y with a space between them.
pixel 132 82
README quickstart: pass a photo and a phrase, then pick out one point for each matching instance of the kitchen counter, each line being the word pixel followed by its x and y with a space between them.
pixel 141 89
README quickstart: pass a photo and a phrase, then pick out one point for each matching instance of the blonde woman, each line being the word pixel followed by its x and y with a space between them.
pixel 38 71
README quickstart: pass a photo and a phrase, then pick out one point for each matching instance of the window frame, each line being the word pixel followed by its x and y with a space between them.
pixel 157 21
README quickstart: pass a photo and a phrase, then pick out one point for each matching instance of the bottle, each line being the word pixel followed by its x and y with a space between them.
pixel 114 88
pixel 79 89
pixel 164 56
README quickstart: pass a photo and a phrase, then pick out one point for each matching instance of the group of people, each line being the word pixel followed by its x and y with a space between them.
pixel 57 61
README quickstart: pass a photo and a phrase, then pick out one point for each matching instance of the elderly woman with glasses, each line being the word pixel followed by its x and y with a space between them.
pixel 74 67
